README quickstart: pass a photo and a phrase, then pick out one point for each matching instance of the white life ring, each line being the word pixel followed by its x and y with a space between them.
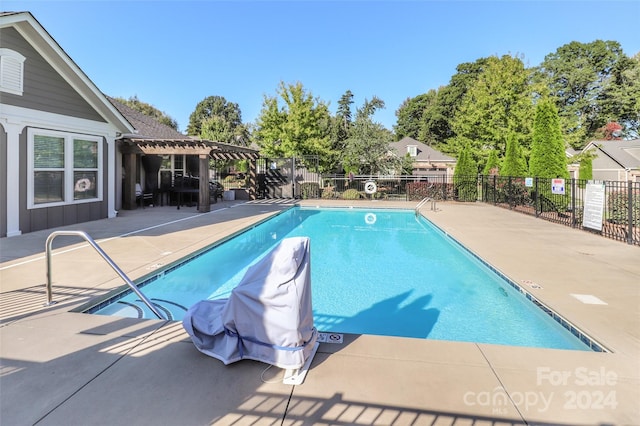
pixel 82 185
pixel 370 218
pixel 370 187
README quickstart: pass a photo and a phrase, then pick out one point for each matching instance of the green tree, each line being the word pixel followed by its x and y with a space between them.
pixel 407 165
pixel 300 127
pixel 367 149
pixel 586 168
pixel 340 130
pixel 149 110
pixel 592 83
pixel 436 129
pixel 621 98
pixel 498 103
pixel 514 163
pixel 410 113
pixel 548 157
pixel 465 175
pixel 492 166
pixel 344 119
pixel 216 128
pixel 214 118
pixel 465 165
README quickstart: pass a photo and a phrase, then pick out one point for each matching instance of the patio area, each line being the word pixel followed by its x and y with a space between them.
pixel 64 368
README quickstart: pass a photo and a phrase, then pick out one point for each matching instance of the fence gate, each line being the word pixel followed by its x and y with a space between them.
pixel 284 177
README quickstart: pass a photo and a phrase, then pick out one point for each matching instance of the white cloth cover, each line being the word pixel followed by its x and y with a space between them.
pixel 268 316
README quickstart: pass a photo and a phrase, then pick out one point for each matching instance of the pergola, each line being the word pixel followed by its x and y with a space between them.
pixel 132 146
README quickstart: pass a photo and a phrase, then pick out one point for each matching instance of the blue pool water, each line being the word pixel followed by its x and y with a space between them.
pixel 385 272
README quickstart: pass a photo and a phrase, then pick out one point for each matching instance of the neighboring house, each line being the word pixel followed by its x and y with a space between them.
pixel 572 165
pixel 57 134
pixel 616 160
pixel 426 160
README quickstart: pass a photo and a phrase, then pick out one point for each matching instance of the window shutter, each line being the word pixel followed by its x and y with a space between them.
pixel 11 72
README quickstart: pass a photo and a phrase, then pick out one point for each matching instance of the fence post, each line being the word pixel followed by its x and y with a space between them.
pixel 573 203
pixel 445 181
pixel 536 197
pixel 630 213
pixel 495 200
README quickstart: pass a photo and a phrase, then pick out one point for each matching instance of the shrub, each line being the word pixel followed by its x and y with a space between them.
pixel 466 188
pixel 310 190
pixel 436 190
pixel 512 191
pixel 351 194
pixel 618 203
pixel 328 192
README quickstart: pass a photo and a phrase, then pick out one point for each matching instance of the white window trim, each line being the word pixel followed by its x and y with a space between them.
pixel 11 59
pixel 68 167
pixel 412 150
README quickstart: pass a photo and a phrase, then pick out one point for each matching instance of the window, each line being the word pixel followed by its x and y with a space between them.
pixel 11 71
pixel 171 165
pixel 85 169
pixel 48 169
pixel 412 150
pixel 64 168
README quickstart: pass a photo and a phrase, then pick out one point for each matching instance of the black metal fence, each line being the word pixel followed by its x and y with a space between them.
pixel 615 213
pixel 565 201
pixel 559 201
pixel 405 188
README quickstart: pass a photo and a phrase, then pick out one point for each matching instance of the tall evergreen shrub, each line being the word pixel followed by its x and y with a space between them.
pixel 465 176
pixel 586 168
pixel 493 163
pixel 548 157
pixel 514 163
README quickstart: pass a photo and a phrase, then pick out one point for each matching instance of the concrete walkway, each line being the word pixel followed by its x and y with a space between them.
pixel 64 368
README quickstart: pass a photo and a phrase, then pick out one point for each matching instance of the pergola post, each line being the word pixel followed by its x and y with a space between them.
pixel 129 184
pixel 253 178
pixel 204 204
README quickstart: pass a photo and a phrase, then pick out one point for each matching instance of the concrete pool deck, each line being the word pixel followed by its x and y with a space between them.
pixel 63 368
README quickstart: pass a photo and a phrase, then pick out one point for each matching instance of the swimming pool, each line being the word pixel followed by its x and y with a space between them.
pixel 386 272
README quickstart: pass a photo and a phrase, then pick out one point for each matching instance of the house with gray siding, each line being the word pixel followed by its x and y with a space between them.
pixel 426 160
pixel 57 134
pixel 616 160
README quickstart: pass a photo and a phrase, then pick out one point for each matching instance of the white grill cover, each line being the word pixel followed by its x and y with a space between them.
pixel 268 316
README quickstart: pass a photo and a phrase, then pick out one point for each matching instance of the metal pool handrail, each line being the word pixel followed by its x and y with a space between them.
pixel 424 201
pixel 101 252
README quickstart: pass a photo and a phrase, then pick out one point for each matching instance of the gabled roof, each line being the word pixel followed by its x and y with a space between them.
pixel 425 152
pixel 152 137
pixel 50 50
pixel 625 153
pixel 145 126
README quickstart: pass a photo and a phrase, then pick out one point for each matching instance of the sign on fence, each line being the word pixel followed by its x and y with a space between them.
pixel 593 206
pixel 557 186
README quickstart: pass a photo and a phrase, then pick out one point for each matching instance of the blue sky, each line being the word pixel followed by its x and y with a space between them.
pixel 173 54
